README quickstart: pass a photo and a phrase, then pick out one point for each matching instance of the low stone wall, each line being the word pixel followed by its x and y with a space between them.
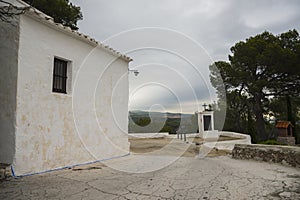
pixel 286 155
pixel 287 140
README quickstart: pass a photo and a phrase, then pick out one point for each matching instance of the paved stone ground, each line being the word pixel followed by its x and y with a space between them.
pixel 187 178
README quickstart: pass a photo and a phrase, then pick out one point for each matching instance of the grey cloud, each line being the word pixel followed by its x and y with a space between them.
pixel 215 24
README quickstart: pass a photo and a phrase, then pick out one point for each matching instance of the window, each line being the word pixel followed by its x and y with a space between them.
pixel 60 76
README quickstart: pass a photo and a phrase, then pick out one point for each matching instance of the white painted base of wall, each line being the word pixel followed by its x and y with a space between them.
pixel 229 145
pixel 209 134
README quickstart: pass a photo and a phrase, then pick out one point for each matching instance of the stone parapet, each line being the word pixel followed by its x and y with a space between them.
pixel 286 155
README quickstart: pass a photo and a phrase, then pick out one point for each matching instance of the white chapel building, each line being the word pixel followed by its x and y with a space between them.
pixel 63 96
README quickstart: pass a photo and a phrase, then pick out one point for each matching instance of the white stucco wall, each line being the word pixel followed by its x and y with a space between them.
pixel 9 37
pixel 55 130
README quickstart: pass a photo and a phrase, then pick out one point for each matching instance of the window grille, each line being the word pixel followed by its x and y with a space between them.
pixel 60 76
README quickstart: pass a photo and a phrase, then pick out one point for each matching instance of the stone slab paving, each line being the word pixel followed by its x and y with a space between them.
pixel 186 178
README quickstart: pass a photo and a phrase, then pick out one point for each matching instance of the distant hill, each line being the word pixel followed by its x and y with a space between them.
pixel 153 122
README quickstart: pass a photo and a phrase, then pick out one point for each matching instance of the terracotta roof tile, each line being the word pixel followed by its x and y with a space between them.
pixel 283 124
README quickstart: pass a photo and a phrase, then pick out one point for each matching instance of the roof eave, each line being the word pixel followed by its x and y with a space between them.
pixel 43 18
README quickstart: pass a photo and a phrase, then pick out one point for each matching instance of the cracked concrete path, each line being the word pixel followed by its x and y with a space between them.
pixel 186 178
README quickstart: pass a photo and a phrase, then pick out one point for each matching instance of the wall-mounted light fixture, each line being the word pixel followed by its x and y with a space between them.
pixel 136 72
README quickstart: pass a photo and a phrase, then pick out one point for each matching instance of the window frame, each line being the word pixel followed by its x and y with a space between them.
pixel 60 76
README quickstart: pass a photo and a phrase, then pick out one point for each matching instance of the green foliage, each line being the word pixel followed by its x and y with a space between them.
pixel 171 125
pixel 219 77
pixel 62 11
pixel 142 121
pixel 277 106
pixel 260 69
pixel 270 142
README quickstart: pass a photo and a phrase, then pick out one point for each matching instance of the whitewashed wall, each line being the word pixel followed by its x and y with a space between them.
pixel 9 37
pixel 55 130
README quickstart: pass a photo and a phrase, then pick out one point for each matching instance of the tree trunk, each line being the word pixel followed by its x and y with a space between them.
pixel 250 126
pixel 289 112
pixel 292 118
pixel 259 119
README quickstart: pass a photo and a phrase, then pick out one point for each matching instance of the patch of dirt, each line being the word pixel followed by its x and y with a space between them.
pixel 215 152
pixel 169 147
pixel 91 166
pixel 221 138
pixel 148 145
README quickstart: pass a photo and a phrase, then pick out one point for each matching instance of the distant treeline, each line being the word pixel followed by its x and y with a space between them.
pixel 153 122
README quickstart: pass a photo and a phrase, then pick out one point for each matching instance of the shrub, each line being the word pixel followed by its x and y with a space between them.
pixel 271 142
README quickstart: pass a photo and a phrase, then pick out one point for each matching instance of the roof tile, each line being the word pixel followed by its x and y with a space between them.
pixel 283 124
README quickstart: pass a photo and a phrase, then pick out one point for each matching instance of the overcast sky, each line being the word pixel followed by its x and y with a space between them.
pixel 172 42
